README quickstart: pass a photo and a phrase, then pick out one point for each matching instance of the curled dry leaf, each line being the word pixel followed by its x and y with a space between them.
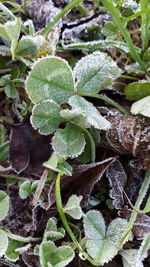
pixel 117 179
pixel 27 146
pixel 81 182
pixel 128 135
pixel 141 225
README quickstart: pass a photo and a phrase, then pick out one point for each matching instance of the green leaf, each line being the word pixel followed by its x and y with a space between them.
pixel 94 225
pixel 75 116
pixel 11 252
pixel 141 107
pixel 89 111
pixel 68 142
pixel 4 151
pixel 129 258
pixel 50 78
pixel 10 90
pixel 55 163
pixel 4 205
pixel 53 233
pixel 3 242
pixel 46 117
pixel 51 256
pixel 26 48
pixel 3 32
pixel 73 207
pixel 102 246
pixel 109 29
pixel 24 189
pixel 13 29
pixel 137 90
pixel 94 72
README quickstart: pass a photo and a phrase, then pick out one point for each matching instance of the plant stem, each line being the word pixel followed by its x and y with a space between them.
pixel 144 26
pixel 117 18
pixel 22 238
pixel 81 8
pixel 64 12
pixel 143 190
pixel 65 222
pixel 92 143
pixel 110 102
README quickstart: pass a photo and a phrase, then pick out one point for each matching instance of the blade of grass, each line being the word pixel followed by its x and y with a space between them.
pixel 117 18
pixel 144 25
pixel 64 12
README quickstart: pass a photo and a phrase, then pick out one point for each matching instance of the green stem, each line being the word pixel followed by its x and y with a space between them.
pixel 81 8
pixel 66 224
pixel 117 18
pixel 92 143
pixel 109 101
pixel 145 11
pixel 64 12
pixel 144 25
pixel 22 238
pixel 143 190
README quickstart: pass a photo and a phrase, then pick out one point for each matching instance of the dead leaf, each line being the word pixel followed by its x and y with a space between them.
pixel 117 179
pixel 128 135
pixel 27 146
pixel 81 182
pixel 141 225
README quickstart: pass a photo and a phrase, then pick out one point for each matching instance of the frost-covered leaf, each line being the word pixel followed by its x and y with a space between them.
pixel 116 230
pixel 24 189
pixel 81 182
pixel 137 90
pixel 73 207
pixel 129 258
pixel 117 179
pixel 26 48
pixel 58 164
pixel 46 117
pixel 13 29
pixel 94 72
pixel 4 205
pixel 3 242
pixel 75 116
pixel 142 107
pixel 51 256
pixel 53 233
pixel 134 257
pixel 43 46
pixel 94 225
pixel 3 32
pixel 100 245
pixel 89 111
pixel 50 78
pixel 10 90
pixel 11 252
pixel 68 142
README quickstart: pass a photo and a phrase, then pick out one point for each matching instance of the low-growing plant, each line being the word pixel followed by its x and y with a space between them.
pixel 60 100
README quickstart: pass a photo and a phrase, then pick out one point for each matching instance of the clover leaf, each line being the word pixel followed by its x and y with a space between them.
pixel 51 256
pixel 50 78
pixel 94 72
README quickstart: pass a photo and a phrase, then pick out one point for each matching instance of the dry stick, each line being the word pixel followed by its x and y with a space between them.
pixel 40 187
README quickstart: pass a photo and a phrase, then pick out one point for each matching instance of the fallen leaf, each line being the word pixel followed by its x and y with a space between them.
pixel 27 146
pixel 141 225
pixel 117 180
pixel 81 182
pixel 128 135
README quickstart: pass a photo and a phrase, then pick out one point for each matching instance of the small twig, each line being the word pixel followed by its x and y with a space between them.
pixel 40 187
pixel 15 177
